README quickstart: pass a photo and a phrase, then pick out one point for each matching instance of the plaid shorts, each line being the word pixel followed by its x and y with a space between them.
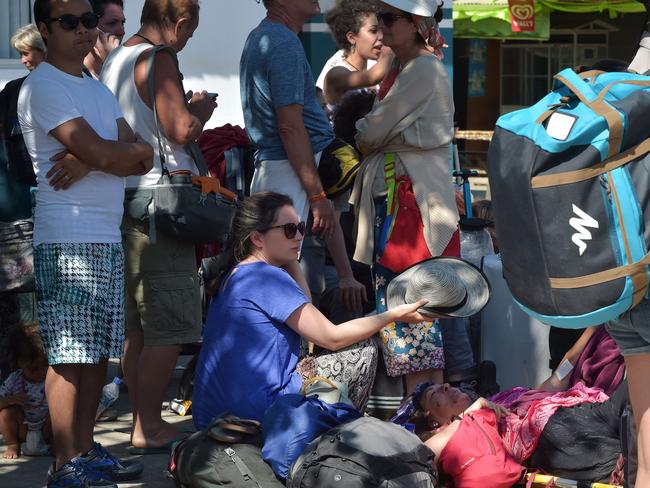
pixel 80 300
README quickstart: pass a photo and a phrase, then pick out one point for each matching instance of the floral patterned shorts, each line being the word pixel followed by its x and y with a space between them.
pixel 407 348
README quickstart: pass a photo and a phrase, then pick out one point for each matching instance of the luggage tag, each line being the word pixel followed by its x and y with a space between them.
pixel 559 125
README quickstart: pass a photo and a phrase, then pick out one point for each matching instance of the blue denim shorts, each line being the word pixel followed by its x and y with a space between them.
pixel 631 331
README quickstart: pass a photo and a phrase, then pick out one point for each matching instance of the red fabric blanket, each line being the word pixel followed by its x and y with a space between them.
pixel 215 142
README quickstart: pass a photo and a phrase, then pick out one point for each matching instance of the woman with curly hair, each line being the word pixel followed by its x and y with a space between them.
pixel 356 31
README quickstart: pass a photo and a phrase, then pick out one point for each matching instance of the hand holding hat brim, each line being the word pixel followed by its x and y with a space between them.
pixel 412 313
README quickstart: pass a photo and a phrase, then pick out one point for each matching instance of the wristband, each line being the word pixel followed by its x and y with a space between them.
pixel 315 198
pixel 563 369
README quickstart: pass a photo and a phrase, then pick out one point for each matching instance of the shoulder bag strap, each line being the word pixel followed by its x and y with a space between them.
pixel 192 147
pixel 198 158
pixel 151 84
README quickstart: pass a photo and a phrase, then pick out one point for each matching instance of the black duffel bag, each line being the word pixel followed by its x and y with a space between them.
pixel 227 453
pixel 365 453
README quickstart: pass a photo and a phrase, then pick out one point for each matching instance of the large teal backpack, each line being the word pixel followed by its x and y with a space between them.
pixel 570 182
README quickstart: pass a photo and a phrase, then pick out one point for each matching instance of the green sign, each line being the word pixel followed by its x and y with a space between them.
pixel 491 18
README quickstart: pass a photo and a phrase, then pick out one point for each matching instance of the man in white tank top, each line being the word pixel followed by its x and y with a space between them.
pixel 163 302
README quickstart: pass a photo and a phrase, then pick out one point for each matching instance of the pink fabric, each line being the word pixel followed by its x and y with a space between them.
pixel 530 411
pixel 600 365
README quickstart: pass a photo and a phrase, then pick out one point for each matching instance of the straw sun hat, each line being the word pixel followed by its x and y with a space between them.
pixel 454 288
pixel 425 8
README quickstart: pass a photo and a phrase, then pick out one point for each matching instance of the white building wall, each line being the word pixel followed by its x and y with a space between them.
pixel 325 5
pixel 10 70
pixel 210 61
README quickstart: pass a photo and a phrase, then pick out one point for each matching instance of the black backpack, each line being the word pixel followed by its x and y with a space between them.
pixel 222 455
pixel 19 162
pixel 569 182
pixel 366 453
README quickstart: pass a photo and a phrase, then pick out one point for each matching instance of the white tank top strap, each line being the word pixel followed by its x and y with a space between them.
pixel 118 75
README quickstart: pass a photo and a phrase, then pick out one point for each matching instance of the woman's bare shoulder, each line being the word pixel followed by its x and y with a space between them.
pixel 441 437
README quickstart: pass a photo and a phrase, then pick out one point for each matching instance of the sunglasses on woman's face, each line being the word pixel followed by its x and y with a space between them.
pixel 389 18
pixel 290 229
pixel 70 22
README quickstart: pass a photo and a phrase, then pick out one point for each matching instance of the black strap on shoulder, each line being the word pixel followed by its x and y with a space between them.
pixel 151 84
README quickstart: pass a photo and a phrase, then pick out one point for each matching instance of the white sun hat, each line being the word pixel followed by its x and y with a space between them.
pixel 453 287
pixel 425 8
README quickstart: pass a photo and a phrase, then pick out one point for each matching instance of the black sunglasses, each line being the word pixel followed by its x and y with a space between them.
pixel 389 18
pixel 290 229
pixel 70 22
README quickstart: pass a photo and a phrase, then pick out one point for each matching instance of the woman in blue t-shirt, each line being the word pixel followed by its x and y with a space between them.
pixel 252 335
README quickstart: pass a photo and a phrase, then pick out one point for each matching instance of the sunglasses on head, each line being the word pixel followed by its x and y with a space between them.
pixel 389 18
pixel 70 22
pixel 290 229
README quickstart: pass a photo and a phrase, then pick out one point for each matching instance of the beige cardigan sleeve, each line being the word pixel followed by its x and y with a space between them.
pixel 411 93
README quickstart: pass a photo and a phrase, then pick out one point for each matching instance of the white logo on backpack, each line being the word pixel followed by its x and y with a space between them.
pixel 579 223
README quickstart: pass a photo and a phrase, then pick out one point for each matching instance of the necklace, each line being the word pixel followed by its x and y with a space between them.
pixel 146 39
pixel 351 65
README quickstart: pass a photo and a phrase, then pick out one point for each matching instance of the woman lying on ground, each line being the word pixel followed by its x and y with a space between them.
pixel 574 434
pixel 255 324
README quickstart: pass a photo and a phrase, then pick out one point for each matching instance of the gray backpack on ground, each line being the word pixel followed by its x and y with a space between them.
pixel 366 453
pixel 222 455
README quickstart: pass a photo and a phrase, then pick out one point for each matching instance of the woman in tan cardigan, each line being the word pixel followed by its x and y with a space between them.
pixel 410 129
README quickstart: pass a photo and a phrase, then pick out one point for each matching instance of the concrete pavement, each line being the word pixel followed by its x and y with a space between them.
pixel 30 472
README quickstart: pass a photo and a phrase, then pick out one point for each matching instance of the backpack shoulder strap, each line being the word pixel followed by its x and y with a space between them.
pixel 241 466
